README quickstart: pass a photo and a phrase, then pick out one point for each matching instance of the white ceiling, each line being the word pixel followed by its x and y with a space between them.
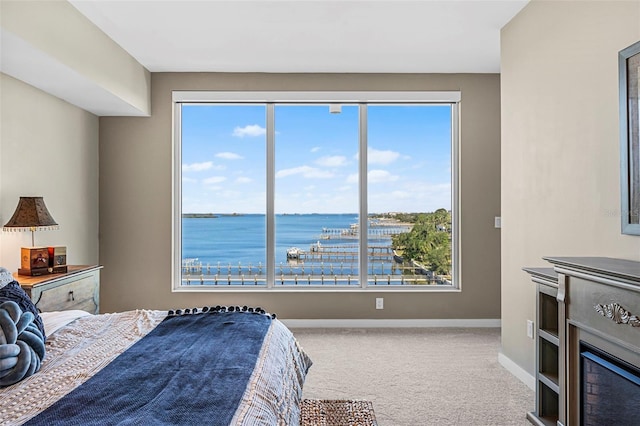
pixel 422 36
pixel 342 36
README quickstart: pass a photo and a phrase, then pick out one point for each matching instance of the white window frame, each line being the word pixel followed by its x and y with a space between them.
pixel 269 99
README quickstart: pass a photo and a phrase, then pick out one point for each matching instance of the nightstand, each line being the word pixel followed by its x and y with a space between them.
pixel 78 288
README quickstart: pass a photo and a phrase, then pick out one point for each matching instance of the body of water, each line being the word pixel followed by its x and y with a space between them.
pixel 241 238
pixel 231 249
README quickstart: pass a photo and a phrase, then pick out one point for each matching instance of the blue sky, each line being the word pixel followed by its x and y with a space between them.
pixel 223 158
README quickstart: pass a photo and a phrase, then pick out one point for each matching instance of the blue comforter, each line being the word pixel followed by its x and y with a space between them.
pixel 191 369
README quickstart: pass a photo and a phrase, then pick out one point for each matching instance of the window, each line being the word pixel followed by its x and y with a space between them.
pixel 322 191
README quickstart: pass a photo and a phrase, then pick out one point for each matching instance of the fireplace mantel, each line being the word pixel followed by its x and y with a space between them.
pixel 598 304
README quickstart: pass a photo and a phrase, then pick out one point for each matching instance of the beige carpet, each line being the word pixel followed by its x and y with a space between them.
pixel 417 377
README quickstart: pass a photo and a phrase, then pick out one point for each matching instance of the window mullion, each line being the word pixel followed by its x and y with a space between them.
pixel 270 217
pixel 363 222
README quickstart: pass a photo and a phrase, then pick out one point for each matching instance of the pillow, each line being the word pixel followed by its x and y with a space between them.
pixel 5 277
pixel 21 344
pixel 55 320
pixel 14 293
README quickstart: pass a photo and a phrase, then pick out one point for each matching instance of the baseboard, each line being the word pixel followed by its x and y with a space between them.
pixel 517 371
pixel 390 323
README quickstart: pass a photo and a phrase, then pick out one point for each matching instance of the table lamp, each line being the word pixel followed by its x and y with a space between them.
pixel 32 215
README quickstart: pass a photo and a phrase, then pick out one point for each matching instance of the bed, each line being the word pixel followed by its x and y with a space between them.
pixel 218 365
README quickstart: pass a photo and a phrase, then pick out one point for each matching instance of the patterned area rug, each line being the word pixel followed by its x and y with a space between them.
pixel 325 412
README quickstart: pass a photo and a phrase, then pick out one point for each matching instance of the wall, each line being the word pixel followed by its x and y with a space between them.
pixel 560 146
pixel 135 200
pixel 48 148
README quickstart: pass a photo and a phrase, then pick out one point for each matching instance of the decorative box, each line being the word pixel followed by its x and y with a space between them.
pixel 58 259
pixel 34 261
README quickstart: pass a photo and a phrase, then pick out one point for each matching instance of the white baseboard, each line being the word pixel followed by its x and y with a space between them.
pixel 390 323
pixel 517 371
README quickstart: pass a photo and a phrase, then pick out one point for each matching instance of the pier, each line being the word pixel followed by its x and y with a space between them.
pixel 313 271
pixel 310 280
pixel 341 253
pixel 377 229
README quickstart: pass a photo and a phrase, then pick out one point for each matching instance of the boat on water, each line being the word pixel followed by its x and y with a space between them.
pixel 293 253
pixel 397 257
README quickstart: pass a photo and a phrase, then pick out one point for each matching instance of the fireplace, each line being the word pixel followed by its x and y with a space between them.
pixel 599 341
pixel 610 389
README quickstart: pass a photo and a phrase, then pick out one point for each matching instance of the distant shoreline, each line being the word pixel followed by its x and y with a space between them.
pixel 200 215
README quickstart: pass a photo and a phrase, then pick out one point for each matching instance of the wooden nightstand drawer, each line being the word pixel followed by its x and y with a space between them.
pixel 80 294
pixel 79 288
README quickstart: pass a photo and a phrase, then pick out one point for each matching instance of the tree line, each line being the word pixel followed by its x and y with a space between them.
pixel 428 242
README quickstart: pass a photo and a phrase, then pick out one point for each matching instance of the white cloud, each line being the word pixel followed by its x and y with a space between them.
pixel 332 161
pixel 188 180
pixel 305 171
pixel 213 180
pixel 352 178
pixel 197 167
pixel 376 156
pixel 229 156
pixel 317 173
pixel 378 176
pixel 401 195
pixel 419 196
pixel 250 130
pixel 315 149
pixel 244 179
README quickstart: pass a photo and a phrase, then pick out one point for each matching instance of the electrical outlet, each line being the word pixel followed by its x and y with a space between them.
pixel 530 329
pixel 379 303
pixel 497 222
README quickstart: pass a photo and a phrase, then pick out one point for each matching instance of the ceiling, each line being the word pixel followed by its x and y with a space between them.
pixel 302 36
pixel 421 36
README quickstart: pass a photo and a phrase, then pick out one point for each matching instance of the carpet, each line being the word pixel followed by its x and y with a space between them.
pixel 417 376
pixel 337 412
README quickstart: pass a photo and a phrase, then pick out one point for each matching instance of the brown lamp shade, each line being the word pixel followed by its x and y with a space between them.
pixel 31 215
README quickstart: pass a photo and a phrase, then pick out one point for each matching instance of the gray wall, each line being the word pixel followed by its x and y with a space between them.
pixel 48 148
pixel 135 203
pixel 560 146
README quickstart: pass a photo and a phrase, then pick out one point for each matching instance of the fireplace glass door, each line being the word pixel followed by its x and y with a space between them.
pixel 610 389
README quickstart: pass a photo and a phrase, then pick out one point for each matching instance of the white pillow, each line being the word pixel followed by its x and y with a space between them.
pixel 5 277
pixel 55 320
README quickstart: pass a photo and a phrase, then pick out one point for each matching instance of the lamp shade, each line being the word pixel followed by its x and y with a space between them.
pixel 30 215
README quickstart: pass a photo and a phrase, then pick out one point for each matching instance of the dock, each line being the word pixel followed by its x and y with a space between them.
pixel 332 265
pixel 340 253
pixel 310 280
pixel 376 230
